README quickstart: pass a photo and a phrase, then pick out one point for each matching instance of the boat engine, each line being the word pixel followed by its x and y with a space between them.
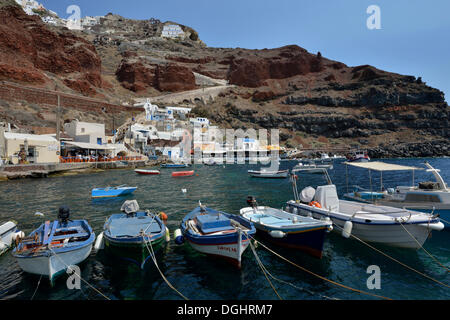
pixel 251 201
pixel 63 214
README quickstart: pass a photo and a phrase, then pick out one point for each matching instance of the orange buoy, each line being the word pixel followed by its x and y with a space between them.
pixel 163 216
pixel 315 204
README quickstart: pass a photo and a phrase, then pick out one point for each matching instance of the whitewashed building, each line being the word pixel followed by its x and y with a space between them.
pixel 172 31
pixel 93 133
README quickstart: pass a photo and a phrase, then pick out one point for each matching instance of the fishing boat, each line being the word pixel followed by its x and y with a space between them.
pixel 8 234
pixel 182 174
pixel 134 235
pixel 209 162
pixel 430 196
pixel 311 167
pixel 282 174
pixel 54 246
pixel 112 191
pixel 217 233
pixel 368 222
pixel 174 165
pixel 359 156
pixel 286 229
pixel 147 172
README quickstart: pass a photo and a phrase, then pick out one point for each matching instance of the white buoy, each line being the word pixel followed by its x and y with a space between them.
pixel 167 234
pixel 18 234
pixel 347 231
pixel 39 214
pixel 179 239
pixel 99 243
pixel 183 190
pixel 277 234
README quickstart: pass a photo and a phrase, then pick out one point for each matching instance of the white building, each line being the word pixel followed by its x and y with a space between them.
pixel 89 21
pixel 153 112
pixel 172 31
pixel 93 133
pixel 199 122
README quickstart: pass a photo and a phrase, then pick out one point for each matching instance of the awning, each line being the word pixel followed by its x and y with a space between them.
pixel 90 146
pixel 381 166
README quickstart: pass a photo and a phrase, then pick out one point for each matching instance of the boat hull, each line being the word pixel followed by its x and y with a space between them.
pixel 133 251
pixel 147 172
pixel 112 193
pixel 392 234
pixel 183 174
pixel 53 265
pixel 269 175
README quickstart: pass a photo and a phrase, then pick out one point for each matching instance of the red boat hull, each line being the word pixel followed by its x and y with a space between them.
pixel 183 174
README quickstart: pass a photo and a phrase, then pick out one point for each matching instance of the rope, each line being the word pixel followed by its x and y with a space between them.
pixel 319 276
pixel 263 269
pixel 79 276
pixel 152 255
pixel 393 259
pixel 444 220
pixel 429 254
pixel 35 290
pixel 294 286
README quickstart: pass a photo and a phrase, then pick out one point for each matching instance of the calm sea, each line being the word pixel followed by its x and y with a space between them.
pixel 199 277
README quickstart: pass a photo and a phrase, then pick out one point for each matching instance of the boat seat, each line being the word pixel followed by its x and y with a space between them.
pixel 327 197
pixel 71 235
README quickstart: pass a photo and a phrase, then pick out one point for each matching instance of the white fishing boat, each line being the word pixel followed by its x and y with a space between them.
pixel 282 174
pixel 431 197
pixel 8 234
pixel 368 222
pixel 54 247
pixel 311 167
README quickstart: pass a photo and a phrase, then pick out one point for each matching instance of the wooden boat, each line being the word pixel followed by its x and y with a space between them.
pixel 269 174
pixel 175 165
pixel 112 191
pixel 286 229
pixel 133 234
pixel 147 172
pixel 369 222
pixel 217 233
pixel 183 173
pixel 8 234
pixel 54 246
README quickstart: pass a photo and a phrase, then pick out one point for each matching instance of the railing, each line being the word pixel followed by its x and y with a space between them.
pixel 97 159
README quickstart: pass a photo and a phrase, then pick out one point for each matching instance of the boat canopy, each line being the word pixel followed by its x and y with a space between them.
pixel 91 146
pixel 381 166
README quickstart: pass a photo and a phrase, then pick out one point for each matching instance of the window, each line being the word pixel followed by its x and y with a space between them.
pixel 82 130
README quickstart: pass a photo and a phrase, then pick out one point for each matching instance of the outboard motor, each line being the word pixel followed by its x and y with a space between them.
pixel 63 214
pixel 251 201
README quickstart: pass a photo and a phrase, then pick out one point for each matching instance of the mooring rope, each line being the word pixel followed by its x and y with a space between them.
pixel 35 290
pixel 393 259
pixel 421 247
pixel 293 285
pixel 79 276
pixel 319 276
pixel 261 265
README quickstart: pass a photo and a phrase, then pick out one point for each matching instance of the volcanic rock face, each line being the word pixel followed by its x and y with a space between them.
pixel 29 48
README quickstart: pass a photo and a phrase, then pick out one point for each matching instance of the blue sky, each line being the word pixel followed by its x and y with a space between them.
pixel 414 38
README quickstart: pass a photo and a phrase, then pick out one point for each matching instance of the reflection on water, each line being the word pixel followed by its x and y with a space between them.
pixel 200 277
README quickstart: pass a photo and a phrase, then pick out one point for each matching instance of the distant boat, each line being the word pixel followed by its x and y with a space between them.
pixel 175 165
pixel 147 172
pixel 112 191
pixel 133 234
pixel 54 246
pixel 359 157
pixel 287 229
pixel 311 167
pixel 182 173
pixel 209 162
pixel 217 233
pixel 282 174
pixel 8 234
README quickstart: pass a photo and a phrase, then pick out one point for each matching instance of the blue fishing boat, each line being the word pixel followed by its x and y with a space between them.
pixel 54 246
pixel 174 165
pixel 217 233
pixel 286 229
pixel 112 191
pixel 135 234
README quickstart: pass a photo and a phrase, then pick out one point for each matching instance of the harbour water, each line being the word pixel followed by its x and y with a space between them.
pixel 199 277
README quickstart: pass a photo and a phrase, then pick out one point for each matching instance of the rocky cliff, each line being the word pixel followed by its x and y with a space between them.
pixel 314 101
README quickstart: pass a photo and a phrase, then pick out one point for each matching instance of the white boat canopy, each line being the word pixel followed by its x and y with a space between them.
pixel 381 166
pixel 91 146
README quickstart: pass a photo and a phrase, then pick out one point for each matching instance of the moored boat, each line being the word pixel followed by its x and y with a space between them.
pixel 282 174
pixel 174 165
pixel 286 229
pixel 8 234
pixel 380 224
pixel 133 234
pixel 183 173
pixel 147 172
pixel 217 233
pixel 54 246
pixel 112 191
